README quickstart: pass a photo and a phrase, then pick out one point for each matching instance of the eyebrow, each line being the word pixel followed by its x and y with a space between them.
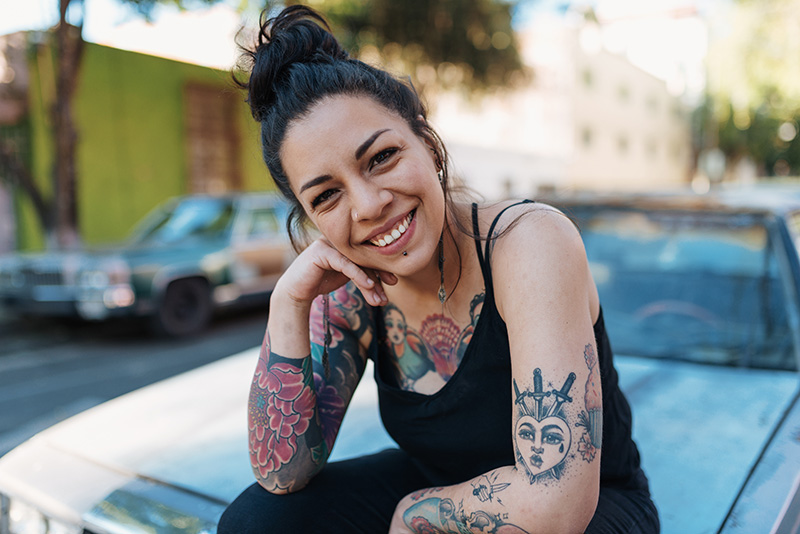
pixel 368 143
pixel 316 181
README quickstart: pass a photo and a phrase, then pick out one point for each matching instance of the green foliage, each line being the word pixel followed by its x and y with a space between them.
pixel 145 7
pixel 754 86
pixel 467 43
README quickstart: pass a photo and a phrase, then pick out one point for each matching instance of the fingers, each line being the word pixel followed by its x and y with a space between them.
pixel 368 284
pixel 386 277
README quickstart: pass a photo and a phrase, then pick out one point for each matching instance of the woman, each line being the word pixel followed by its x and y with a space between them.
pixel 508 438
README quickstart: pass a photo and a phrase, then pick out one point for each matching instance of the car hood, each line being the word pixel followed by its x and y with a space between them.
pixel 184 440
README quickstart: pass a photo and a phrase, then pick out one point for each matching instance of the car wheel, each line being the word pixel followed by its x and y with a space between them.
pixel 185 309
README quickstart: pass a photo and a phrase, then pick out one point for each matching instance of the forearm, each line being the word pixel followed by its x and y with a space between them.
pixel 297 402
pixel 286 440
pixel 503 498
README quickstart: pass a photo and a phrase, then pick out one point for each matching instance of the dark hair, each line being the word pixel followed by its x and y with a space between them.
pixel 295 63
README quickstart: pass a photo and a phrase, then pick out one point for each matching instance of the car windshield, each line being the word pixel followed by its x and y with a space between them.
pixel 193 218
pixel 697 287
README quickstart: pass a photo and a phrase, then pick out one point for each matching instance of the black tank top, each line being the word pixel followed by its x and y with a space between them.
pixel 465 429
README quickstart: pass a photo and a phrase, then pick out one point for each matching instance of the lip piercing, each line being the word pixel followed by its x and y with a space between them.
pixel 405 253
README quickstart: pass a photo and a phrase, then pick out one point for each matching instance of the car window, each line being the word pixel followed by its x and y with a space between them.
pixel 262 223
pixel 190 219
pixel 698 287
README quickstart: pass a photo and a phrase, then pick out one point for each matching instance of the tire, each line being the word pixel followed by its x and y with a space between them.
pixel 185 309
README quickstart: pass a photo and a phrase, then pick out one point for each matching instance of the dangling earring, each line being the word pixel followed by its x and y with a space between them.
pixel 440 175
pixel 327 340
pixel 442 292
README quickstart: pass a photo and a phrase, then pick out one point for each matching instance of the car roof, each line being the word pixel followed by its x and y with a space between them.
pixel 750 200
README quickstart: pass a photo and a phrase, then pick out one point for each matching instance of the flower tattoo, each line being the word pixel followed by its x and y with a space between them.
pixel 284 406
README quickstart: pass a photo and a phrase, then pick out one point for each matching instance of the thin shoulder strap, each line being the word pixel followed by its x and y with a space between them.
pixel 476 232
pixel 486 264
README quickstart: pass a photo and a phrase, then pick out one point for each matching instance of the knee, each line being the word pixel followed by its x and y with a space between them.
pixel 257 511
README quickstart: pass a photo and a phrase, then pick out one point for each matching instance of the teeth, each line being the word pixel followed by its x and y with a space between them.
pixel 395 234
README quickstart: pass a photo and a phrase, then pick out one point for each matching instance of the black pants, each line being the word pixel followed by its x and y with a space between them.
pixel 359 496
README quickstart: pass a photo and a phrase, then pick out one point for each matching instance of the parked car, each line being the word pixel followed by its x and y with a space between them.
pixel 187 258
pixel 700 297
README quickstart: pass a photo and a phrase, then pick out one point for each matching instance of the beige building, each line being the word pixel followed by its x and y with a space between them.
pixel 589 119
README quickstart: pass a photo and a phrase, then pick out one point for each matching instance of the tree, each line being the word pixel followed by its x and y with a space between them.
pixel 440 43
pixel 58 214
pixel 752 107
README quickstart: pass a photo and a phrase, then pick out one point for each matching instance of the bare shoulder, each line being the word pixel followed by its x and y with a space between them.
pixel 528 224
pixel 537 253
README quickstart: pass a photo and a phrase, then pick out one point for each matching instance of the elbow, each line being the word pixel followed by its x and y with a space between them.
pixel 561 513
pixel 282 483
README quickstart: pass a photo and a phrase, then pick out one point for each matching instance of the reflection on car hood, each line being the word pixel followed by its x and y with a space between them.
pixel 699 430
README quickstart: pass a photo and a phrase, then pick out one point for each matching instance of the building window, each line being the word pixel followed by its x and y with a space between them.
pixel 652 148
pixel 587 77
pixel 622 144
pixel 587 137
pixel 212 139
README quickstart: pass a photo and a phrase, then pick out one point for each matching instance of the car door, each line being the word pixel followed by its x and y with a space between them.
pixel 261 249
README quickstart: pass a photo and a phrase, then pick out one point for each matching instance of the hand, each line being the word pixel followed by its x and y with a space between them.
pixel 320 269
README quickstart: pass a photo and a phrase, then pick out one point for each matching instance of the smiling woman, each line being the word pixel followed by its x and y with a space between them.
pixel 495 375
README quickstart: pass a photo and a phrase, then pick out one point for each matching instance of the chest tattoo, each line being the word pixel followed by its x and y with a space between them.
pixel 431 354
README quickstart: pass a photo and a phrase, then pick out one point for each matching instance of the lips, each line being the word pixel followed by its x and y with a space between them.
pixel 393 234
pixel 537 460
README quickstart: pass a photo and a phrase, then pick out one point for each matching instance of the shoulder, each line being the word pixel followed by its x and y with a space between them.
pixel 514 222
pixel 537 254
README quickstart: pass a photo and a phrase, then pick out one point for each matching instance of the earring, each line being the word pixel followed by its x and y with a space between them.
pixel 440 175
pixel 442 292
pixel 327 340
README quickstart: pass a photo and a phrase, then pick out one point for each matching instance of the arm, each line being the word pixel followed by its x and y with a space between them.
pixel 546 295
pixel 295 411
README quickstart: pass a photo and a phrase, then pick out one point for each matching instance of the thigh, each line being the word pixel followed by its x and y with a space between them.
pixel 350 496
pixel 624 511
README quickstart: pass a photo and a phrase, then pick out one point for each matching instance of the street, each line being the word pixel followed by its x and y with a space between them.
pixel 51 370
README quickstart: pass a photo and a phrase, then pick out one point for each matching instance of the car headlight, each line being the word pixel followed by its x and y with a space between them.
pixel 26 519
pixel 107 272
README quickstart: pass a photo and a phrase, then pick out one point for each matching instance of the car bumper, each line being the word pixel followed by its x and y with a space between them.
pixel 50 301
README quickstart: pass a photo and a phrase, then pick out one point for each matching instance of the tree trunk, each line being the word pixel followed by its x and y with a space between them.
pixel 70 50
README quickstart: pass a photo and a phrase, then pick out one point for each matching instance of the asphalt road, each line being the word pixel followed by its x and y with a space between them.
pixel 50 370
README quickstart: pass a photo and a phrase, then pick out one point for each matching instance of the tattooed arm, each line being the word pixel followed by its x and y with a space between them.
pixel 545 294
pixel 295 410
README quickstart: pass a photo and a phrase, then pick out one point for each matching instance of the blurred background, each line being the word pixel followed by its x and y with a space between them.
pixel 99 99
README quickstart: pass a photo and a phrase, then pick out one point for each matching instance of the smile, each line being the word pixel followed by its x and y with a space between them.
pixel 395 233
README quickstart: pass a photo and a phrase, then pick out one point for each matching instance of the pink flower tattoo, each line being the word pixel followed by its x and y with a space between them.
pixel 281 408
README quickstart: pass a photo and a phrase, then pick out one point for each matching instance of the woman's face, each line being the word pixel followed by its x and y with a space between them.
pixel 367 182
pixel 542 444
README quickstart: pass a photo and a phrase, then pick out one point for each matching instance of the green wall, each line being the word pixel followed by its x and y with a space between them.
pixel 131 153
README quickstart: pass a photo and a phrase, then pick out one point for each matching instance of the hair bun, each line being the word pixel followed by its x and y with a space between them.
pixel 298 34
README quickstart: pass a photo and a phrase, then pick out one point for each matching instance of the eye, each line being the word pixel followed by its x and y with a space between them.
pixel 526 434
pixel 322 197
pixel 381 157
pixel 552 439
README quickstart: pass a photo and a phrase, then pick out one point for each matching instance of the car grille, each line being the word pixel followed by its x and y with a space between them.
pixel 37 277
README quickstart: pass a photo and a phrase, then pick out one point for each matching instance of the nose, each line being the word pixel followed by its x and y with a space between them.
pixel 368 201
